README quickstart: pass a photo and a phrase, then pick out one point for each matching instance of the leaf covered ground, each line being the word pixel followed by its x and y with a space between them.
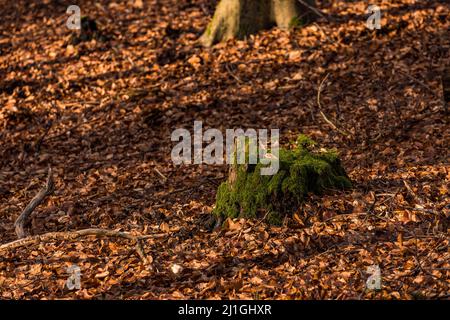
pixel 101 113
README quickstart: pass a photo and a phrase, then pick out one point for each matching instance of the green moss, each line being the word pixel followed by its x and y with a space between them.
pixel 304 169
pixel 208 29
pixel 296 22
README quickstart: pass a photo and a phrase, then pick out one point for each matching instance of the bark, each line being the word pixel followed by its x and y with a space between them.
pixel 241 18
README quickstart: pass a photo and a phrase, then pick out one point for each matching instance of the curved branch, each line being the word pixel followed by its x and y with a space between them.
pixel 25 215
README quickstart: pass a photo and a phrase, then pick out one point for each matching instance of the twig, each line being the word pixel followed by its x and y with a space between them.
pixel 261 220
pixel 177 191
pixel 315 10
pixel 320 109
pixel 323 32
pixel 418 82
pixel 70 129
pixel 411 191
pixel 48 126
pixel 232 74
pixel 252 227
pixel 205 10
pixel 213 182
pixel 419 264
pixel 346 215
pixel 42 194
pixel 72 235
pixel 160 174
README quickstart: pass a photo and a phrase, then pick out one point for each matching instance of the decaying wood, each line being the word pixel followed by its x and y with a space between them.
pixel 72 235
pixel 22 220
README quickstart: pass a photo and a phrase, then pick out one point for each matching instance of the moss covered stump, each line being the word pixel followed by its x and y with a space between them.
pixel 302 170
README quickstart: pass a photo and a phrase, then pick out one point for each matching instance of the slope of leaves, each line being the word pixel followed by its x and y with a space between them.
pixel 101 114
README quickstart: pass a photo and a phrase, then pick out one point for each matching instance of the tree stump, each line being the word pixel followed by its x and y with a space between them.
pixel 302 170
pixel 240 18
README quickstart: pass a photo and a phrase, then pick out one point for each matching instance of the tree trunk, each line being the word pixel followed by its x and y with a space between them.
pixel 240 18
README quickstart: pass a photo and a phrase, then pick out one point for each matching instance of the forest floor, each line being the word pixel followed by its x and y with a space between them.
pixel 101 114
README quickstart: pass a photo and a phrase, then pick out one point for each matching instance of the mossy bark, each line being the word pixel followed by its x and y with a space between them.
pixel 240 18
pixel 302 170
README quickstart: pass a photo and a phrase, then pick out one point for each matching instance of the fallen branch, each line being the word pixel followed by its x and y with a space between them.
pixel 320 109
pixel 72 235
pixel 42 194
pixel 315 10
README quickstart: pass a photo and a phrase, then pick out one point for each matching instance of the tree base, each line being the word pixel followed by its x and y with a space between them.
pixel 240 18
pixel 303 170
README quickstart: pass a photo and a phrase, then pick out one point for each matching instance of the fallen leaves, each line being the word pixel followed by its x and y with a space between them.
pixel 232 226
pixel 164 227
pixel 114 104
